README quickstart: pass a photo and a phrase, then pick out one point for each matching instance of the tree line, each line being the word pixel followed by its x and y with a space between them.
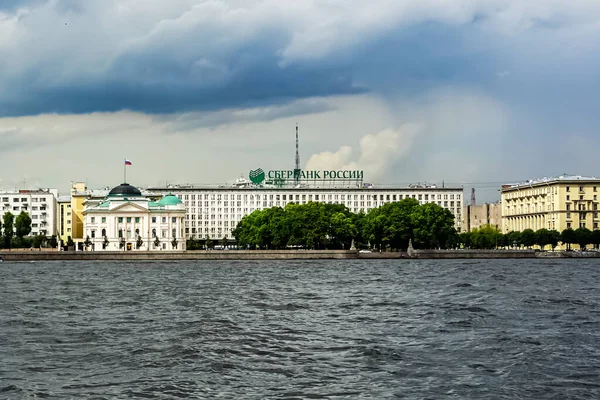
pixel 318 225
pixel 14 231
pixel 490 237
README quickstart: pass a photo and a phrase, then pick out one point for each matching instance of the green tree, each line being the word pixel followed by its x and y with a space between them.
pixel 554 238
pixel 39 241
pixel 513 239
pixel 432 226
pixel 542 237
pixel 528 238
pixel 401 219
pixel 595 239
pixel 22 225
pixel 464 239
pixel 88 241
pixel 343 230
pixel 583 237
pixel 53 242
pixel 70 242
pixel 486 237
pixel 568 237
pixel 8 222
pixel 208 243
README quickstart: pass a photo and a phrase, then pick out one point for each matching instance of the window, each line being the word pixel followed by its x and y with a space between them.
pixel 568 206
pixel 137 220
pixel 153 220
pixel 154 232
pixel 173 219
pixel 174 232
pixel 128 219
pixel 120 219
pixel 568 225
pixel 120 233
pixel 581 188
pixel 164 233
pixel 164 220
pixel 93 220
pixel 137 232
pixel 93 234
pixel 103 220
pixel 103 232
pixel 568 197
pixel 568 189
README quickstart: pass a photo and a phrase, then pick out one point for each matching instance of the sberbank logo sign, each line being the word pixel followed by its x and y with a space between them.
pixel 258 176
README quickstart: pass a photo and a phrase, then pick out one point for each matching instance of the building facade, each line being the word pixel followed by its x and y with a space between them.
pixel 127 220
pixel 80 196
pixel 63 218
pixel 39 204
pixel 215 212
pixel 552 203
pixel 476 216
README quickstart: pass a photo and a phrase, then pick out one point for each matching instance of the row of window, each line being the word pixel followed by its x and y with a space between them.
pixel 131 219
pixel 315 197
pixel 128 233
pixel 24 200
pixel 581 188
pixel 544 190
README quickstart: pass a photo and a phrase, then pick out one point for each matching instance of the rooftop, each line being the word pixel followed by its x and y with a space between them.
pixel 546 180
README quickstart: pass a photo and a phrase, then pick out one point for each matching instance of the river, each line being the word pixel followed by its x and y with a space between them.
pixel 352 329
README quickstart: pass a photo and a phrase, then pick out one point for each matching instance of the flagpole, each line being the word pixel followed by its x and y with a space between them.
pixel 124 172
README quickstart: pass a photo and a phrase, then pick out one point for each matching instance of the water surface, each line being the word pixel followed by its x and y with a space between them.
pixel 414 329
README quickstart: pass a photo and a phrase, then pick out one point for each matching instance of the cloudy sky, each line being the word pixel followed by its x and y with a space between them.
pixel 469 92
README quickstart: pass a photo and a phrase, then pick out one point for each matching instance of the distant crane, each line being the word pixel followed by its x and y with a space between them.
pixel 473 196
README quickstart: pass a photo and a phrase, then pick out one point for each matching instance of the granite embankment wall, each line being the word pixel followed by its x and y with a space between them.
pixel 179 255
pixel 279 255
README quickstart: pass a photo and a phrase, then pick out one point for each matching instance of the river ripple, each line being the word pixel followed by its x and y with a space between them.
pixel 413 329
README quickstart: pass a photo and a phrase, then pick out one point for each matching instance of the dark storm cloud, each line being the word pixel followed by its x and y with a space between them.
pixel 252 88
pixel 66 56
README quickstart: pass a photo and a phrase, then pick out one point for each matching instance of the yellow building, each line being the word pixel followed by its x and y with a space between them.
pixel 552 203
pixel 63 218
pixel 80 196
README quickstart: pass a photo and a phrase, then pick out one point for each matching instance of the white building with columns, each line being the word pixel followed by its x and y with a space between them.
pixel 126 220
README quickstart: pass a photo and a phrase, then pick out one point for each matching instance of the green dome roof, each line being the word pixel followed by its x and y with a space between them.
pixel 169 200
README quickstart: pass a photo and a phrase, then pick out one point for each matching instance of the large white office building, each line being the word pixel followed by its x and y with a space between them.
pixel 213 212
pixel 40 204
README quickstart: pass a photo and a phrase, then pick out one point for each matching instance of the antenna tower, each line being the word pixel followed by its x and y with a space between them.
pixel 473 196
pixel 297 163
